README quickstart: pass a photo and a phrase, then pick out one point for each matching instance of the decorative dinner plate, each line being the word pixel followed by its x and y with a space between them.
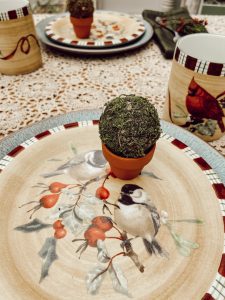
pixel 144 39
pixel 108 29
pixel 59 238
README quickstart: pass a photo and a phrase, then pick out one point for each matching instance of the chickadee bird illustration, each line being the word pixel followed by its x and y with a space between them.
pixel 138 216
pixel 83 166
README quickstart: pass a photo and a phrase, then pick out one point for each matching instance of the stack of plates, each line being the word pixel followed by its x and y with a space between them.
pixel 111 32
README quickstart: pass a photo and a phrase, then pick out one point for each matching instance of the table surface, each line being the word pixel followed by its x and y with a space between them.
pixel 69 83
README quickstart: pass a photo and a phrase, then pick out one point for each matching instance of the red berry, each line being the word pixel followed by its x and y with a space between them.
pixel 56 187
pixel 103 223
pixel 92 234
pixel 48 201
pixel 58 224
pixel 60 233
pixel 102 193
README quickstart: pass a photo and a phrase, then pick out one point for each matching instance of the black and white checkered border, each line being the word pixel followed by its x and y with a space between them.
pixel 217 288
pixel 15 14
pixel 199 66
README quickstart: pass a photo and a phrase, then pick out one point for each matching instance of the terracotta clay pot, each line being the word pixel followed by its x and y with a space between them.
pixel 127 168
pixel 82 27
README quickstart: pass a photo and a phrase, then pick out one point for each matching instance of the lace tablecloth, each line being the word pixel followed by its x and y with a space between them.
pixel 67 83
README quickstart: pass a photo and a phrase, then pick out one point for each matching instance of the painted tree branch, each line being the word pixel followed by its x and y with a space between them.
pixel 130 253
pixel 84 186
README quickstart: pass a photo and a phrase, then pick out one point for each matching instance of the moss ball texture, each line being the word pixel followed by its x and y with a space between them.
pixel 129 126
pixel 80 8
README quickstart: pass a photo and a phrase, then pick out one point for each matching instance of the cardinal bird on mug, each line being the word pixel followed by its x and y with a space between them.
pixel 200 104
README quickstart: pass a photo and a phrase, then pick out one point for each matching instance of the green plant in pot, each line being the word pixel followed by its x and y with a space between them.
pixel 129 128
pixel 81 16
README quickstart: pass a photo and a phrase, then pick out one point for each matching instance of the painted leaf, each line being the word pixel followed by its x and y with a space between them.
pixel 73 148
pixel 48 255
pixel 183 113
pixel 178 115
pixel 94 279
pixel 54 159
pixel 119 281
pixel 208 128
pixel 184 246
pixel 35 225
pixel 59 210
pixel 85 212
pixel 150 174
pixel 194 221
pixel 92 200
pixel 70 194
pixel 73 224
pixel 102 255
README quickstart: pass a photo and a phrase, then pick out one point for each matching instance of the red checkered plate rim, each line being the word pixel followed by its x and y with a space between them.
pixel 108 30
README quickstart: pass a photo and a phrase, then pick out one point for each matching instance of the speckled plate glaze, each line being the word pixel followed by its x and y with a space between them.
pixel 185 178
pixel 109 29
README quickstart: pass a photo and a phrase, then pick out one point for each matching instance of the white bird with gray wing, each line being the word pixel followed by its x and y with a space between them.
pixel 83 166
pixel 138 216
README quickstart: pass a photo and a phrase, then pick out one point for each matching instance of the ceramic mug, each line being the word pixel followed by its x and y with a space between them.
pixel 19 48
pixel 196 89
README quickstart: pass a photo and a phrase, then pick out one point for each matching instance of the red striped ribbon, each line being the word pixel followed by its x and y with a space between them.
pixel 24 45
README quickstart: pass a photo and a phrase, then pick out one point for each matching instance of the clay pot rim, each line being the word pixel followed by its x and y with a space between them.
pixel 81 22
pixel 127 160
pixel 75 18
pixel 81 18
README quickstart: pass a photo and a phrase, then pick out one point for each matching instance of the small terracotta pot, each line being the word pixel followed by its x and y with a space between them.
pixel 127 168
pixel 82 27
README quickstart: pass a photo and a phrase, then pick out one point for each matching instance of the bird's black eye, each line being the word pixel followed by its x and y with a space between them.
pixel 191 92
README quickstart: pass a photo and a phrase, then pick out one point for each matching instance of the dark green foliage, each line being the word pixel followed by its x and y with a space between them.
pixel 80 8
pixel 35 225
pixel 129 126
pixel 48 255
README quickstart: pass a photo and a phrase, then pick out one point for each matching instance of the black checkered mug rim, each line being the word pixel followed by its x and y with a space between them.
pixel 192 60
pixel 15 14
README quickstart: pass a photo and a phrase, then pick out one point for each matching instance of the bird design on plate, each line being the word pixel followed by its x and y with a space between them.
pixel 78 216
pixel 83 166
pixel 137 215
pixel 75 213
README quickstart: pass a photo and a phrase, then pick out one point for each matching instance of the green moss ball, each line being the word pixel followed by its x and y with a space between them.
pixel 129 126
